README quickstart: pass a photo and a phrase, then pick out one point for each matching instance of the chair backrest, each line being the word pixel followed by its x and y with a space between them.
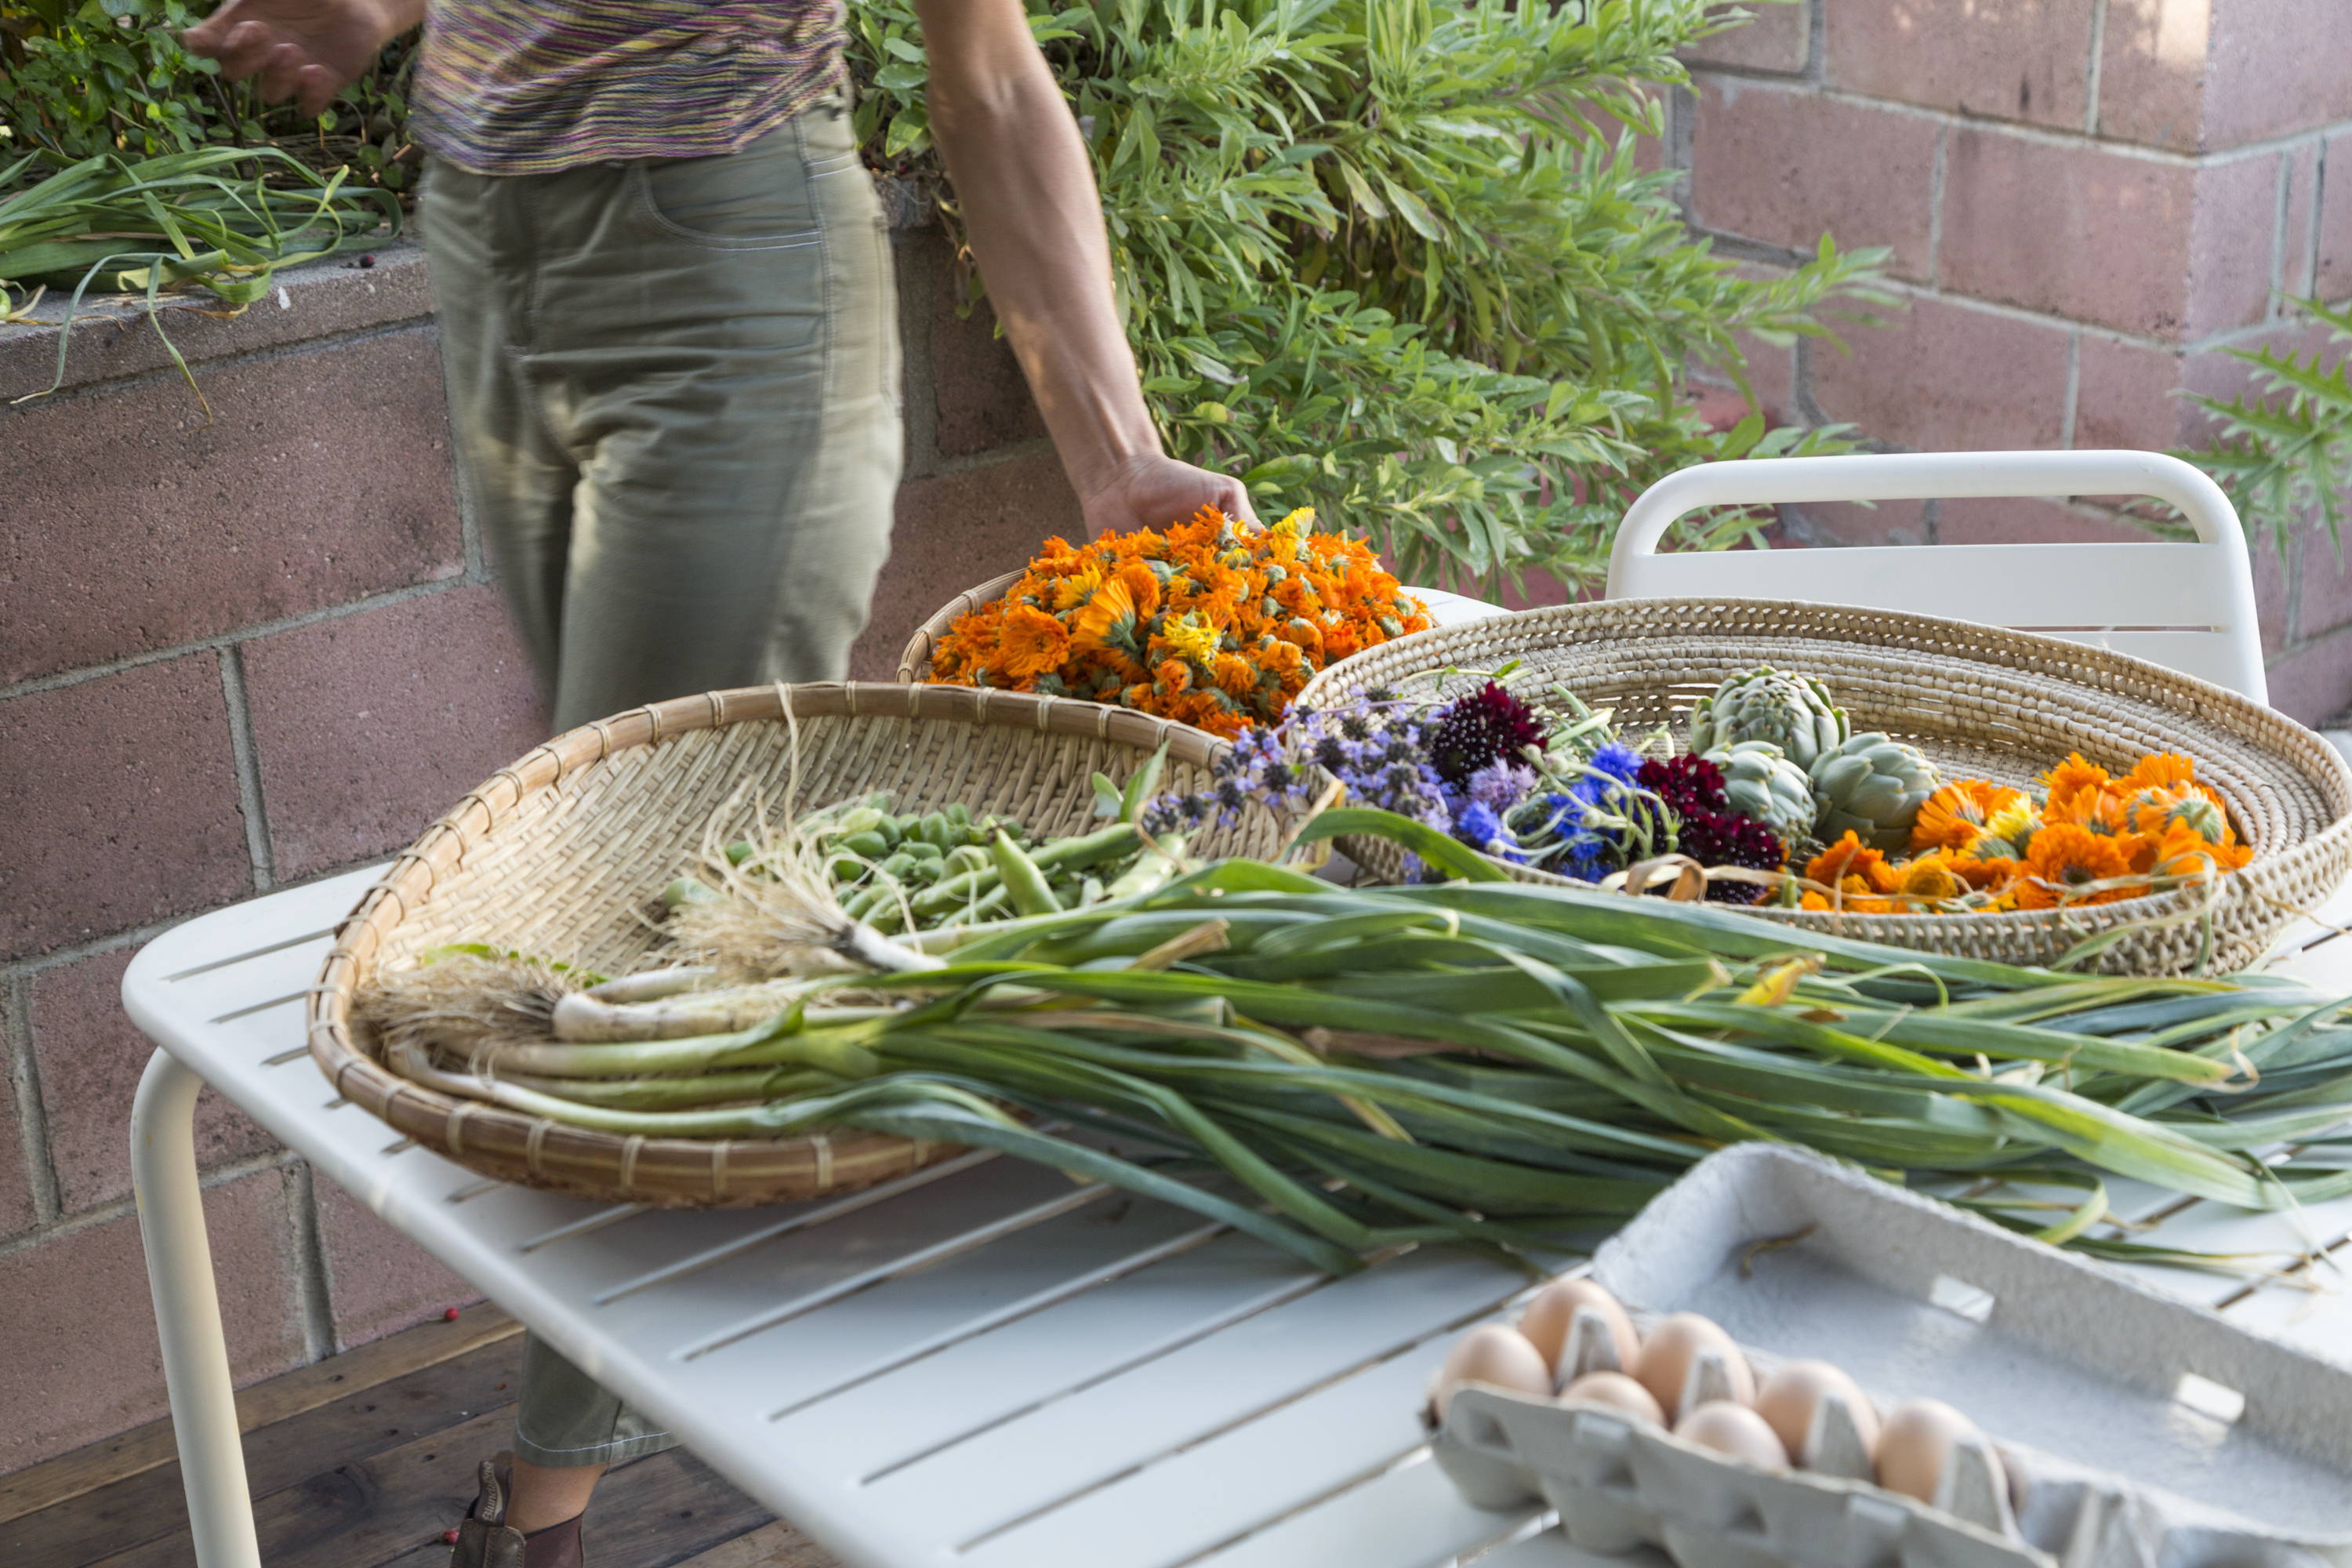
pixel 2188 607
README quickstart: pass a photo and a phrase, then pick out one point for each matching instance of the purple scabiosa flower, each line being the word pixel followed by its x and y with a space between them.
pixel 1501 784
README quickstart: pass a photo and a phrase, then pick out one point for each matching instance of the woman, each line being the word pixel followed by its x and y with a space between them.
pixel 668 329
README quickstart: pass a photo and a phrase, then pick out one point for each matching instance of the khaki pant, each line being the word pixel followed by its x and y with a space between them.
pixel 674 399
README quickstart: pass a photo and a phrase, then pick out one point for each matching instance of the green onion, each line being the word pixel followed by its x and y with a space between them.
pixel 1498 1063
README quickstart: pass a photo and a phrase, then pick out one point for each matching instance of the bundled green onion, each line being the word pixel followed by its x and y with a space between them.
pixel 1339 1070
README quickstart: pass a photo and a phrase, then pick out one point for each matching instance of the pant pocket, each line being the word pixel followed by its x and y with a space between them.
pixel 757 198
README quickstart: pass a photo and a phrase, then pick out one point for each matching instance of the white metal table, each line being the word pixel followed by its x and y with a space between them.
pixel 981 1364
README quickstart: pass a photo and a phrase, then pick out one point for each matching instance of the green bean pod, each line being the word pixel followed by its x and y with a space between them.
pixel 1023 880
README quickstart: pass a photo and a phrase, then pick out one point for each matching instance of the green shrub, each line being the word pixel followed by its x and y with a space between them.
pixel 83 78
pixel 2285 454
pixel 1396 258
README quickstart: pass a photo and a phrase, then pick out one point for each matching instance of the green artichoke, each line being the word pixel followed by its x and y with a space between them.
pixel 1787 711
pixel 1765 786
pixel 1872 786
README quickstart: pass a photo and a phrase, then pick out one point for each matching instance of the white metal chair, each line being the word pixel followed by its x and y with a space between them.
pixel 2187 606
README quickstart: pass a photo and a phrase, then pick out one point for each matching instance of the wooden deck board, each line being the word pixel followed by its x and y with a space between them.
pixel 363 1460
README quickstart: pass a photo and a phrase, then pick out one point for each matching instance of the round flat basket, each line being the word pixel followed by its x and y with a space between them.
pixel 561 854
pixel 1981 703
pixel 915 663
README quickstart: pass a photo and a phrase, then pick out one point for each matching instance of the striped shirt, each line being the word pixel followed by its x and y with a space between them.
pixel 528 87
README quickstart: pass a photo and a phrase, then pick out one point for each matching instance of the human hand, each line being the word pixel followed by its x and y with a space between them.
pixel 1152 491
pixel 308 50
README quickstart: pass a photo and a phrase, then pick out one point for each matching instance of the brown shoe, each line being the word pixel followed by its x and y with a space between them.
pixel 485 1539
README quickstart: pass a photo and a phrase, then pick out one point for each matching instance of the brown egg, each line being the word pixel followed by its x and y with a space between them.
pixel 1789 1397
pixel 1736 1430
pixel 1916 1443
pixel 1615 1391
pixel 1663 1367
pixel 1551 1311
pixel 1493 1354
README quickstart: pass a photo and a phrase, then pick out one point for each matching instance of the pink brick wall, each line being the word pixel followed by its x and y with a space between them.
pixel 242 655
pixel 2087 202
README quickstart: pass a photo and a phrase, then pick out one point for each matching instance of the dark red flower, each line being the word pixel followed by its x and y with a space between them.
pixel 1484 727
pixel 1727 839
pixel 1687 783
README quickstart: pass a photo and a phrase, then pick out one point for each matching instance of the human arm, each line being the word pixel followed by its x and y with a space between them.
pixel 308 50
pixel 1034 220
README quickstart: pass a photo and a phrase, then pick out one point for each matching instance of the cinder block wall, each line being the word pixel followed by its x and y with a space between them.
pixel 241 654
pixel 2088 201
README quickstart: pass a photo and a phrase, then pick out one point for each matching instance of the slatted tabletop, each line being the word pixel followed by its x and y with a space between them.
pixel 986 1364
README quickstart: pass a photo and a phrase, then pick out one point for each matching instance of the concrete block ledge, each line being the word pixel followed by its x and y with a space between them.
pixel 112 338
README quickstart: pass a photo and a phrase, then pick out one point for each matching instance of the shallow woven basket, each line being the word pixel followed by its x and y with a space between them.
pixel 561 854
pixel 1981 703
pixel 915 663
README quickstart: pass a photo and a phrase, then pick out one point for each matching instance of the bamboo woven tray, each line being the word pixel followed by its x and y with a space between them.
pixel 561 853
pixel 915 663
pixel 1980 702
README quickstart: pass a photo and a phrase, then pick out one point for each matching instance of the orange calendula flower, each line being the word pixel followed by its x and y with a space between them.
pixel 1928 876
pixel 1031 642
pixel 1250 619
pixel 2072 777
pixel 2160 770
pixel 1849 859
pixel 1142 584
pixel 1076 587
pixel 1986 874
pixel 1103 616
pixel 2065 864
pixel 2184 852
pixel 1961 813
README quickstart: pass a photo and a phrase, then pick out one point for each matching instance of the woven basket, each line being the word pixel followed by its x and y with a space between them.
pixel 1981 703
pixel 915 663
pixel 560 855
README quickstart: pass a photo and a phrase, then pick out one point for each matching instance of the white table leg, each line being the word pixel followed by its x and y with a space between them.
pixel 187 1315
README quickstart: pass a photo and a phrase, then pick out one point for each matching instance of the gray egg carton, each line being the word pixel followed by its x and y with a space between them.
pixel 2135 1430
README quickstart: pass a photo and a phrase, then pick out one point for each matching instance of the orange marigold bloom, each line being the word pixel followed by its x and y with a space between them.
pixel 1849 858
pixel 2064 864
pixel 1031 642
pixel 1199 622
pixel 1928 876
pixel 1142 585
pixel 2183 852
pixel 1954 817
pixel 1990 874
pixel 2072 777
pixel 1092 625
pixel 2161 770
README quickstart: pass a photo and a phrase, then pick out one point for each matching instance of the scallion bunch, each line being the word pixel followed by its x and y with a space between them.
pixel 1339 1070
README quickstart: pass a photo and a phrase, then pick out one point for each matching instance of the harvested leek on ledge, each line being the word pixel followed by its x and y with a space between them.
pixel 1337 1070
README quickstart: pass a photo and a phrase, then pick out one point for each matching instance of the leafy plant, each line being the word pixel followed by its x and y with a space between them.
pixel 2285 453
pixel 1399 259
pixel 82 79
pixel 182 219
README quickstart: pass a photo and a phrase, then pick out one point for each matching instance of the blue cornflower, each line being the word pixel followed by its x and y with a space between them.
pixel 1477 825
pixel 1619 761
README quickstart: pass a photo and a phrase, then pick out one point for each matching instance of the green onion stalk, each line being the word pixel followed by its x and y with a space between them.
pixel 1339 1070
